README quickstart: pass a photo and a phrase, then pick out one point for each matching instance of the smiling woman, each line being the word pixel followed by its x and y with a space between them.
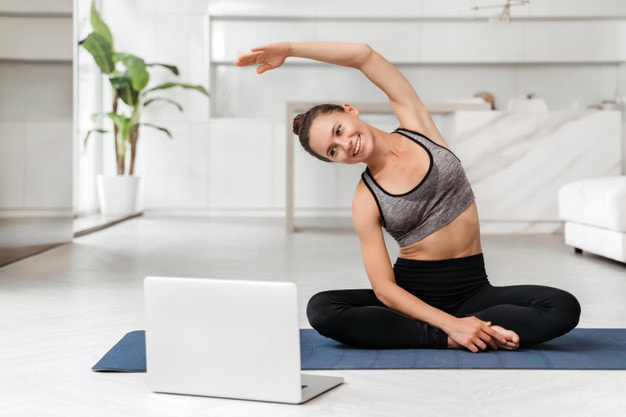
pixel 437 294
pixel 337 129
pixel 302 125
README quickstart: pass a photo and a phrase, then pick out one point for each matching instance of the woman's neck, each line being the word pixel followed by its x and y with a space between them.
pixel 385 150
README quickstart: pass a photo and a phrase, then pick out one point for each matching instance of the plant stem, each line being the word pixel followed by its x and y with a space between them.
pixel 134 135
pixel 119 164
pixel 133 144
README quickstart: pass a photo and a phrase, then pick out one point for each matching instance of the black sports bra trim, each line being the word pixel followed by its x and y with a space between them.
pixel 428 139
pixel 380 209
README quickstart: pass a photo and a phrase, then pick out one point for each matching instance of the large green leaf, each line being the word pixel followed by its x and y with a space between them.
pixel 136 68
pixel 172 68
pixel 168 100
pixel 162 129
pixel 122 85
pixel 101 50
pixel 120 81
pixel 98 24
pixel 171 84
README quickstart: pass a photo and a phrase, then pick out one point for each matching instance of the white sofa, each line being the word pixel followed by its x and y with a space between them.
pixel 594 211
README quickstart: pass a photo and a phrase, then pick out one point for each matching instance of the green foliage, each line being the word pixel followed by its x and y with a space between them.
pixel 122 84
pixel 136 68
pixel 172 68
pixel 162 129
pixel 90 132
pixel 171 84
pixel 129 77
pixel 167 100
pixel 99 26
pixel 101 50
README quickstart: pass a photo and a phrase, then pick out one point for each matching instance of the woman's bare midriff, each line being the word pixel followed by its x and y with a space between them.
pixel 459 238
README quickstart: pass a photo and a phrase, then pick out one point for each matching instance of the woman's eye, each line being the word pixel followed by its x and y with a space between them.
pixel 337 132
pixel 332 152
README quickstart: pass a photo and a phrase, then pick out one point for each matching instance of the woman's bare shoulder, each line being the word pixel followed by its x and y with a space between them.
pixel 364 208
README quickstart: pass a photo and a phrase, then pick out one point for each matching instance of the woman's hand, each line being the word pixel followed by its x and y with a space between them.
pixel 474 334
pixel 269 56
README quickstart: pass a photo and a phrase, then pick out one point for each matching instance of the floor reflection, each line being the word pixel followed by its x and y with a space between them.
pixel 22 237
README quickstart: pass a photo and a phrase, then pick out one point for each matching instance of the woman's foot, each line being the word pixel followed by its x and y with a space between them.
pixel 512 338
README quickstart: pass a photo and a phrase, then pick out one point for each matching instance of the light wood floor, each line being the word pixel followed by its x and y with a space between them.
pixel 61 310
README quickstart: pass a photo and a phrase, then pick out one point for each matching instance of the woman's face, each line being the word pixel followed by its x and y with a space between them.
pixel 341 136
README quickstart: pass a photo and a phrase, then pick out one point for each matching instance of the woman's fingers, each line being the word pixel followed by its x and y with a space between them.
pixel 489 339
pixel 482 345
pixel 487 329
pixel 263 68
pixel 247 59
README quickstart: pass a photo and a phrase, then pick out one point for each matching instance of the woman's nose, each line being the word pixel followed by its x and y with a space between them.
pixel 346 142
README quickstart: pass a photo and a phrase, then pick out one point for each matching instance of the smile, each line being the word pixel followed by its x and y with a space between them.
pixel 358 146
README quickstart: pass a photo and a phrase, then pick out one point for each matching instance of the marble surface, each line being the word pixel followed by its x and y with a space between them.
pixel 517 161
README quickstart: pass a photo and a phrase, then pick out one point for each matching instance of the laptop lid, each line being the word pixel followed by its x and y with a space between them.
pixel 223 338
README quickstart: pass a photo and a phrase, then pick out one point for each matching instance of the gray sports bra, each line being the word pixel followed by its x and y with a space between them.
pixel 439 198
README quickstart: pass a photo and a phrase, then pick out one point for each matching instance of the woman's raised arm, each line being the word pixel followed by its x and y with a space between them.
pixel 406 104
pixel 273 55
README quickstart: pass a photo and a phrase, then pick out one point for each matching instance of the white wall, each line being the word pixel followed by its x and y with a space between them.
pixel 88 96
pixel 39 38
pixel 36 108
pixel 32 90
pixel 571 53
pixel 36 168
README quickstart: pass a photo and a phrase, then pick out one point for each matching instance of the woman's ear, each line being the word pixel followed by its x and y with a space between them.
pixel 351 109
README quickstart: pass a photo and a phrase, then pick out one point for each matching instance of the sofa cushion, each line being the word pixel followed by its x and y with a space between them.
pixel 599 202
pixel 598 240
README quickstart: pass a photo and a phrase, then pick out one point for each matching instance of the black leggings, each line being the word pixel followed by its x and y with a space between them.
pixel 457 286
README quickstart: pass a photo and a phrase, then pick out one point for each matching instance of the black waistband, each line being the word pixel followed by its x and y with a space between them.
pixel 453 263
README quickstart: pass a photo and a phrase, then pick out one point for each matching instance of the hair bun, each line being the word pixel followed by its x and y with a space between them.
pixel 297 123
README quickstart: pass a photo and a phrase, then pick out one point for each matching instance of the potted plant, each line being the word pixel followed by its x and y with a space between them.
pixel 129 77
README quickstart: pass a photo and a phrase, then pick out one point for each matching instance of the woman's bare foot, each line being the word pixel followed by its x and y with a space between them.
pixel 512 338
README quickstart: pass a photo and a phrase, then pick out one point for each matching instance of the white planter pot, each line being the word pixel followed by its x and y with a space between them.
pixel 118 193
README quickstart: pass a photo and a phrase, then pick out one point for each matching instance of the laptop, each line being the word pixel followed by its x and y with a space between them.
pixel 227 338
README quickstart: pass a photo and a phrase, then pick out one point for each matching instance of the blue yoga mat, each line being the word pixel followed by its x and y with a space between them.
pixel 578 349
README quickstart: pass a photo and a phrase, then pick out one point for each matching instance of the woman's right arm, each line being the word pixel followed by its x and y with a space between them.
pixel 338 53
pixel 378 266
pixel 469 332
pixel 273 55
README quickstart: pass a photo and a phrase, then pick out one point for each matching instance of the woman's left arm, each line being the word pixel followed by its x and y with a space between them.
pixel 406 104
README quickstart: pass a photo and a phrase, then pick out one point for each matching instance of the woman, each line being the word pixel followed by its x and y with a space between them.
pixel 437 294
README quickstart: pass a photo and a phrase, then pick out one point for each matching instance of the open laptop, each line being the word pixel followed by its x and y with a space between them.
pixel 227 338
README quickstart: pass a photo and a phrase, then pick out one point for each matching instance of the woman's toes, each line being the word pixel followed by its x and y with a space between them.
pixel 510 335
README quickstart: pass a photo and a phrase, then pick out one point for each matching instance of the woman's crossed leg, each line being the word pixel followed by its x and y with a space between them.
pixel 536 313
pixel 357 318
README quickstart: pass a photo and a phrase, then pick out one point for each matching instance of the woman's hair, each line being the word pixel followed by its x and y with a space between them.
pixel 302 125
